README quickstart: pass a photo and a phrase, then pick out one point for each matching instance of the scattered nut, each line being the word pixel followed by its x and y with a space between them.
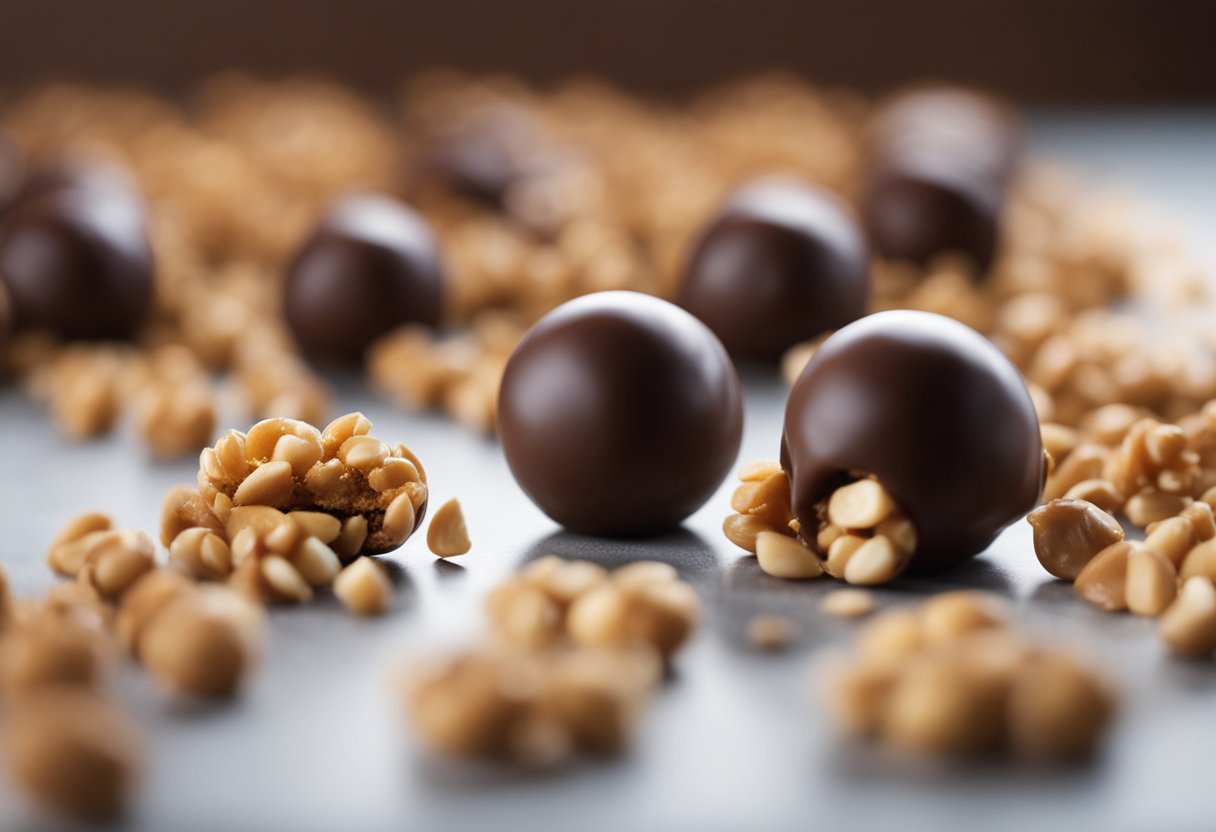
pixel 847 603
pixel 772 633
pixel 447 535
pixel 363 588
pixel 73 753
pixel 1068 533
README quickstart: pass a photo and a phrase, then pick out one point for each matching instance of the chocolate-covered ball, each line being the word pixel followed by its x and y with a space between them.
pixel 916 208
pixel 79 171
pixel 935 412
pixel 782 262
pixel 371 265
pixel 482 155
pixel 620 414
pixel 12 170
pixel 939 161
pixel 77 262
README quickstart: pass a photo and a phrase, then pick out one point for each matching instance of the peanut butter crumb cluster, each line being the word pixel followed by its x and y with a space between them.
pixel 280 510
pixel 575 654
pixel 863 537
pixel 951 677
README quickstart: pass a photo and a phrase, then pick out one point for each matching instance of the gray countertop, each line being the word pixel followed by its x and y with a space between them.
pixel 735 741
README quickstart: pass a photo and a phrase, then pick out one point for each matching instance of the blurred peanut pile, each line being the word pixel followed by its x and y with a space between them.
pixel 613 190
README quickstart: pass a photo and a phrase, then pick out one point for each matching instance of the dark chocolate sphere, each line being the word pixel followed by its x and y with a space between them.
pixel 939 161
pixel 77 262
pixel 935 412
pixel 483 155
pixel 783 262
pixel 370 266
pixel 979 133
pixel 916 208
pixel 620 414
pixel 12 170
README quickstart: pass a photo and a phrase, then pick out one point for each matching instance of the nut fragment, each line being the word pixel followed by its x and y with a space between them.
pixel 1068 533
pixel 447 536
pixel 771 633
pixel 847 603
pixel 860 505
pixel 785 557
pixel 203 642
pixel 876 561
pixel 364 588
pixel 950 678
pixel 1103 581
pixel 1057 710
pixel 73 753
pixel 1189 625
pixel 1152 581
pixel 743 529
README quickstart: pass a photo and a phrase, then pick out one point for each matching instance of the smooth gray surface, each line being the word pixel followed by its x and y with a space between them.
pixel 735 742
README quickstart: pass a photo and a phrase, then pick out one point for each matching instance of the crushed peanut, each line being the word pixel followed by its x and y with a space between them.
pixel 577 654
pixel 1068 533
pixel 952 678
pixel 863 537
pixel 847 603
pixel 447 536
pixel 364 588
pixel 772 633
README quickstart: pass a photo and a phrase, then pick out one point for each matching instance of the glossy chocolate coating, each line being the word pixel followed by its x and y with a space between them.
pixel 77 262
pixel 782 262
pixel 371 265
pixel 620 414
pixel 79 172
pixel 12 170
pixel 939 163
pixel 483 155
pixel 932 409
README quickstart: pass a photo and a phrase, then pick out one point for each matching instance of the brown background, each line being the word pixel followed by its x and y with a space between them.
pixel 1060 51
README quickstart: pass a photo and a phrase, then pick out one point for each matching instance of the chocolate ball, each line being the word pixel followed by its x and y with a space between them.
pixel 935 412
pixel 12 170
pixel 620 414
pixel 916 208
pixel 79 171
pixel 939 161
pixel 77 262
pixel 782 262
pixel 482 155
pixel 371 265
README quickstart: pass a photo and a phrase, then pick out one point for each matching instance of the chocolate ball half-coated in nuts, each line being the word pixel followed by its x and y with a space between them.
pixel 934 411
pixel 620 414
pixel 77 262
pixel 783 262
pixel 370 266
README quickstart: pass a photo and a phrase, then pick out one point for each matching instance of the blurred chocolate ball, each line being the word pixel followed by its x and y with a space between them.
pixel 782 262
pixel 939 162
pixel 13 170
pixel 935 412
pixel 76 261
pixel 78 171
pixel 371 265
pixel 482 154
pixel 620 414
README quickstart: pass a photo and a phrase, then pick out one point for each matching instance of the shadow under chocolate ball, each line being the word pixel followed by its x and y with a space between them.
pixel 935 412
pixel 620 414
pixel 371 265
pixel 782 262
